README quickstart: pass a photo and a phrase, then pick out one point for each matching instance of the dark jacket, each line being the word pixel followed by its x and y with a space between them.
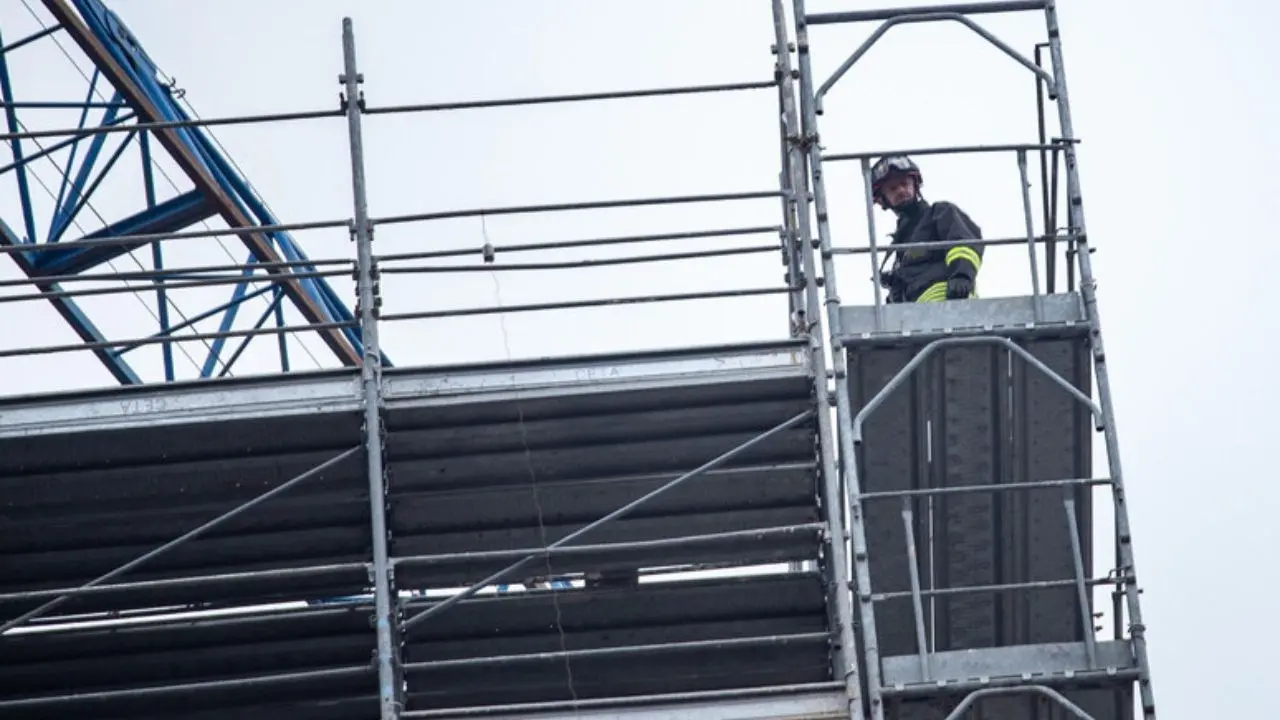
pixel 920 275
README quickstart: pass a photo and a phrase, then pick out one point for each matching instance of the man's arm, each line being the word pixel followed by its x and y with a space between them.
pixel 962 260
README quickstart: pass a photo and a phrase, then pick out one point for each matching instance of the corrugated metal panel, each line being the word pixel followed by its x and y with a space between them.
pixel 464 446
pixel 974 415
pixel 210 663
pixel 655 615
pixel 65 526
pixel 514 470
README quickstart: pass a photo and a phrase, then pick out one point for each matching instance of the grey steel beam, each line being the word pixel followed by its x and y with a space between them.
pixel 311 394
pixel 569 376
pixel 512 568
pixel 1071 678
pixel 587 205
pixel 1062 317
pixel 387 658
pixel 579 304
pixel 801 142
pixel 70 134
pixel 483 251
pixel 147 407
pixel 229 515
pixel 979 8
pixel 1053 664
pixel 580 97
pixel 945 150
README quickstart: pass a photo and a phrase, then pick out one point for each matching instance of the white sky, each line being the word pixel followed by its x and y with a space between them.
pixel 1171 103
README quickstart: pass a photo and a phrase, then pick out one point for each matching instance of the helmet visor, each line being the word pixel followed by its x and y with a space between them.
pixel 885 166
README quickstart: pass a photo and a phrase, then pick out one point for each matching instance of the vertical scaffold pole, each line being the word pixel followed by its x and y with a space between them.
pixel 839 593
pixel 389 680
pixel 861 570
pixel 1075 210
pixel 789 235
pixel 795 298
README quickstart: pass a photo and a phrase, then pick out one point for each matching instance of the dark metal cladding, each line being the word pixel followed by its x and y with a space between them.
pixel 659 614
pixel 466 448
pixel 976 415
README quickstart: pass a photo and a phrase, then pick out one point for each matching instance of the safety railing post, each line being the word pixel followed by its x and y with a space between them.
pixel 1025 185
pixel 869 662
pixel 385 618
pixel 799 139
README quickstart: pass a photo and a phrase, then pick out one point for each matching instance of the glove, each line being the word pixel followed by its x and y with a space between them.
pixel 886 280
pixel 959 287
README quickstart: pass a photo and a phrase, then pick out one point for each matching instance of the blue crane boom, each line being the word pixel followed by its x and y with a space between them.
pixel 218 191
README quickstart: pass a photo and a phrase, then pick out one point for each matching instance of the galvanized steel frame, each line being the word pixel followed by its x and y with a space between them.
pixel 848 431
pixel 809 257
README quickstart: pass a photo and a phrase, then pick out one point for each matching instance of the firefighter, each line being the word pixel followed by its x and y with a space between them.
pixel 924 275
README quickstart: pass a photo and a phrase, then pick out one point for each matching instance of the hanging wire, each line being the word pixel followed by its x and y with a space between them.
pixel 533 484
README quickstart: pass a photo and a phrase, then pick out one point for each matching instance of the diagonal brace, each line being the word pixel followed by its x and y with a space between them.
pixel 934 346
pixel 234 512
pixel 512 568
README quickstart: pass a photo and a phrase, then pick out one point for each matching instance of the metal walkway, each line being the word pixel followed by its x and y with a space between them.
pixel 910 487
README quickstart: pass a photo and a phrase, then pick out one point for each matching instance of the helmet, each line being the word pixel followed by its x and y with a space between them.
pixel 890 165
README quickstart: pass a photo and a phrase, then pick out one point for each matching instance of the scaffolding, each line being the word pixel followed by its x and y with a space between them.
pixel 324 544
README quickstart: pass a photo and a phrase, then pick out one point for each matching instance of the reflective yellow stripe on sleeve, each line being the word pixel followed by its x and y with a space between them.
pixel 936 292
pixel 965 253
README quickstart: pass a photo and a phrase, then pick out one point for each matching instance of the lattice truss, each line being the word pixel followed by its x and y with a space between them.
pixel 101 173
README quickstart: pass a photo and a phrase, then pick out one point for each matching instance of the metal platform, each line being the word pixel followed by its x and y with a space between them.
pixel 1001 571
pixel 92 481
pixel 965 430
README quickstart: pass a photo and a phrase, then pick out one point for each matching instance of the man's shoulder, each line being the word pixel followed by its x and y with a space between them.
pixel 948 209
pixel 944 206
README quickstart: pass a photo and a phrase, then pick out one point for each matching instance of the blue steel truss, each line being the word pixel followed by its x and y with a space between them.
pixel 125 87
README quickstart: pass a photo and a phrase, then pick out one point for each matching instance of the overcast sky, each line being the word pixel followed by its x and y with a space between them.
pixel 1172 103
